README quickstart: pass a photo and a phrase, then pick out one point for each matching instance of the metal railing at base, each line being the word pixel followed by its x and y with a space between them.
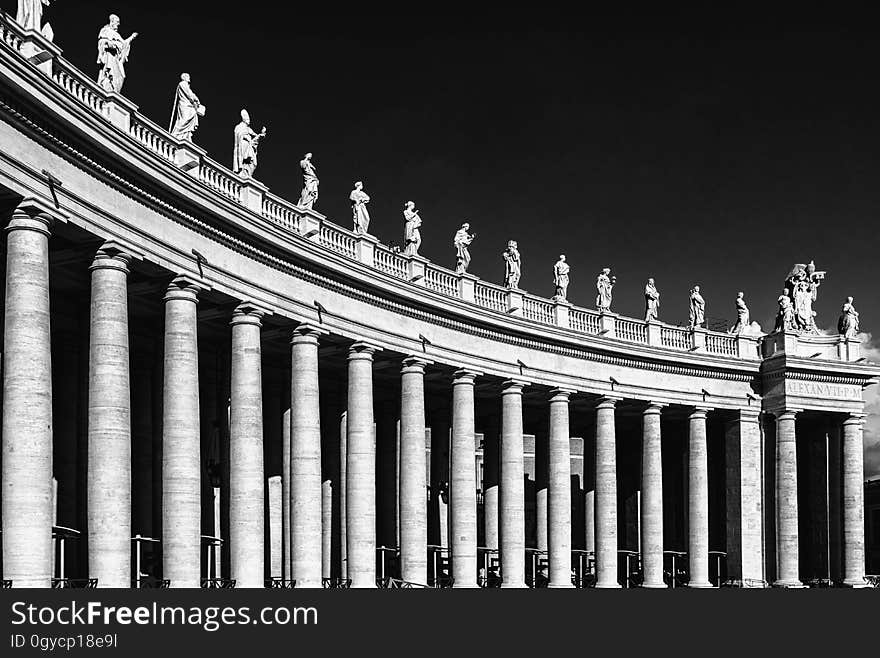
pixel 397 583
pixel 279 583
pixel 74 583
pixel 336 583
pixel 151 582
pixel 871 579
pixel 218 583
pixel 7 584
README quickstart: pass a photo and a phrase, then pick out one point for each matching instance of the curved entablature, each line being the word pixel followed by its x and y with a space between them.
pixel 100 135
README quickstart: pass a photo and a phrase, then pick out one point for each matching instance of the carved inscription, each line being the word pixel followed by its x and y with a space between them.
pixel 820 390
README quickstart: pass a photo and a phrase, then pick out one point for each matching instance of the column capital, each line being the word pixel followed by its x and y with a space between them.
pixel 747 415
pixel 608 401
pixel 362 350
pixel 513 386
pixel 415 364
pixel 654 408
pixel 561 394
pixel 855 418
pixel 248 312
pixel 35 215
pixel 306 332
pixel 114 256
pixel 186 288
pixel 786 414
pixel 465 376
pixel 699 412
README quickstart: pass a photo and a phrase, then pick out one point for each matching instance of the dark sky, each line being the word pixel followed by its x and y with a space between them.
pixel 691 148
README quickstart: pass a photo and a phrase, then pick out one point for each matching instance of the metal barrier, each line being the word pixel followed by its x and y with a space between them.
pixel 74 583
pixel 335 583
pixel 386 562
pixel 632 572
pixel 872 580
pixel 489 574
pixel 584 567
pixel 62 535
pixel 279 583
pixel 139 540
pixel 397 583
pixel 675 575
pixel 539 562
pixel 720 561
pixel 151 582
pixel 441 566
pixel 7 584
pixel 218 583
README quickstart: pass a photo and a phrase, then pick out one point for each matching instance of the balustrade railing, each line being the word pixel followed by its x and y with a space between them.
pixel 280 212
pixel 489 296
pixel 442 281
pixel 631 330
pixel 540 310
pixel 77 85
pixel 679 339
pixel 387 261
pixel 335 239
pixel 220 179
pixel 153 137
pixel 10 33
pixel 721 344
pixel 581 320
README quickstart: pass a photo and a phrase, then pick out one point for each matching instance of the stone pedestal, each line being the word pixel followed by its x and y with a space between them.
pixel 246 493
pixel 109 421
pixel 365 248
pixel 698 499
pixel 512 494
pixel 463 486
pixel 652 498
pixel 466 287
pixel 514 301
pixel 605 498
pixel 561 312
pixel 413 465
pixel 252 193
pixel 559 491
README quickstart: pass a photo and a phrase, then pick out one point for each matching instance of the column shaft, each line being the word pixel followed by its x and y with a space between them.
pixel 745 558
pixel 463 486
pixel 360 493
pixel 853 502
pixel 652 499
pixel 512 494
pixel 787 571
pixel 491 463
pixel 306 513
pixel 698 500
pixel 413 465
pixel 109 412
pixel 181 466
pixel 559 491
pixel 246 494
pixel 27 404
pixel 605 497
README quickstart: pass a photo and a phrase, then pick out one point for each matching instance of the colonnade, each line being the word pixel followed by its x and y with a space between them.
pixel 27 454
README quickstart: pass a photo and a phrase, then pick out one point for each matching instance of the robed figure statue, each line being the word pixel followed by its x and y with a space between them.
pixel 561 278
pixel 244 155
pixel 186 111
pixel 462 239
pixel 604 287
pixel 310 184
pixel 698 308
pixel 512 265
pixel 848 324
pixel 112 55
pixel 743 321
pixel 359 201
pixel 652 301
pixel 30 14
pixel 412 235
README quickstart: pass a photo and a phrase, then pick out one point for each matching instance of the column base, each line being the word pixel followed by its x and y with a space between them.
pixel 789 584
pixel 855 584
pixel 613 585
pixel 457 585
pixel 704 585
pixel 365 584
pixel 560 586
pixel 654 586
pixel 512 585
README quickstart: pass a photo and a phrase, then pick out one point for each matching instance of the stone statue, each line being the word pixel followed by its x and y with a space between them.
pixel 848 324
pixel 802 284
pixel 30 16
pixel 412 236
pixel 512 265
pixel 112 55
pixel 652 301
pixel 244 156
pixel 186 111
pixel 310 184
pixel 785 317
pixel 461 241
pixel 604 285
pixel 698 308
pixel 359 201
pixel 560 278
pixel 743 323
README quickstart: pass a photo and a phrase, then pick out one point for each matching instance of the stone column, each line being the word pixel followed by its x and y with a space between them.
pixel 786 501
pixel 109 413
pixel 853 502
pixel 490 481
pixel 305 453
pixel 285 492
pixel 605 498
pixel 511 521
pixel 413 466
pixel 360 490
pixel 698 500
pixel 181 466
pixel 463 485
pixel 246 494
pixel 559 490
pixel 745 560
pixel 652 498
pixel 27 401
pixel 276 551
pixel 542 475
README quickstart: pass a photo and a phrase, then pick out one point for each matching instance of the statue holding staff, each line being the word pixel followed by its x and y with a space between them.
pixel 359 201
pixel 698 308
pixel 244 156
pixel 560 278
pixel 186 111
pixel 310 183
pixel 412 236
pixel 112 55
pixel 604 285
pixel 652 301
pixel 848 324
pixel 512 265
pixel 461 241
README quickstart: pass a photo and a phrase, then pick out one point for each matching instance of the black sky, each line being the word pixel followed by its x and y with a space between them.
pixel 691 148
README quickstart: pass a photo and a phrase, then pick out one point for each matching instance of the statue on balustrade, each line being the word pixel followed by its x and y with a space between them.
pixel 652 301
pixel 463 238
pixel 359 201
pixel 412 236
pixel 743 322
pixel 560 278
pixel 848 324
pixel 785 317
pixel 512 265
pixel 112 55
pixel 30 16
pixel 802 284
pixel 244 156
pixel 186 111
pixel 310 184
pixel 698 308
pixel 604 285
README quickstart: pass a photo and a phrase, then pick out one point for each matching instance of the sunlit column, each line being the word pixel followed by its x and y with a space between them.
pixel 463 485
pixel 698 500
pixel 787 571
pixel 605 499
pixel 853 502
pixel 413 465
pixel 559 490
pixel 652 498
pixel 511 523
